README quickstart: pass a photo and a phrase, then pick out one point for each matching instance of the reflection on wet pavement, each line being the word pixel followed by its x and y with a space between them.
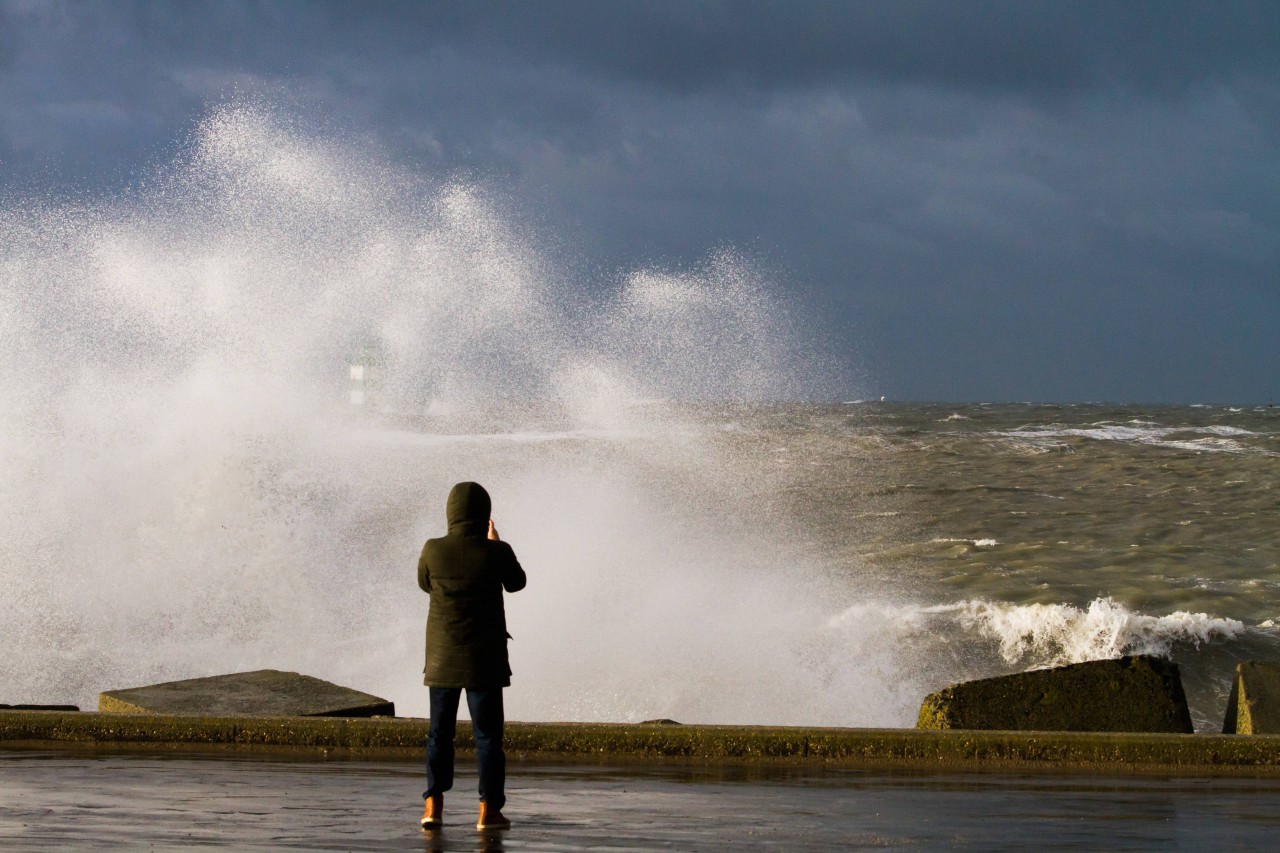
pixel 112 800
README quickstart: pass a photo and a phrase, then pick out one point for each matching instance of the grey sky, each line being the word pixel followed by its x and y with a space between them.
pixel 986 200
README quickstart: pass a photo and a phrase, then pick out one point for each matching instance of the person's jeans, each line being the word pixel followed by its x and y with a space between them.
pixel 486 725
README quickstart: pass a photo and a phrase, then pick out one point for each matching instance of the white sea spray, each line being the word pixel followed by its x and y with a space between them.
pixel 187 491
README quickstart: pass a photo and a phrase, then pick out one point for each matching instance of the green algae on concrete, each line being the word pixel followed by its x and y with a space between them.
pixel 1254 706
pixel 913 749
pixel 265 691
pixel 1141 693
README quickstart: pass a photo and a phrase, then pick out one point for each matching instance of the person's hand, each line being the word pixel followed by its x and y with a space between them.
pixel 493 531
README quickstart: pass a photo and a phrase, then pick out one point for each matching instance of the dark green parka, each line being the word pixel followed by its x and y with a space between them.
pixel 465 573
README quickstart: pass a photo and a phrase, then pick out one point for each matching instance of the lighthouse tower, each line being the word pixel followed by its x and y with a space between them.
pixel 365 366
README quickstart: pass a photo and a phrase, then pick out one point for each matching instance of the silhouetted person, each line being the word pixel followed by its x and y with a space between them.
pixel 465 573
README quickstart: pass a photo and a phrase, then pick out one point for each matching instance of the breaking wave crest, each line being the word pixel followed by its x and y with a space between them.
pixel 1042 635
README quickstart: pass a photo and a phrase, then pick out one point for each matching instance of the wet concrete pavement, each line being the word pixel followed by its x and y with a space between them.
pixel 115 800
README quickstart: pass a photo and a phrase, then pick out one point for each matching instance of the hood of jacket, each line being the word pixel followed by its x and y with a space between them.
pixel 468 509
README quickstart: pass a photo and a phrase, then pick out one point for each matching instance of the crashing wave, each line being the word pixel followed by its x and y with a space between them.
pixel 1055 634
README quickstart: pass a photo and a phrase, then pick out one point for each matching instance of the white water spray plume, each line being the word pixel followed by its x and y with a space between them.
pixel 187 491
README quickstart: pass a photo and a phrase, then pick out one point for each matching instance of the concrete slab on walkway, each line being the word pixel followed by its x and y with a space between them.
pixel 268 692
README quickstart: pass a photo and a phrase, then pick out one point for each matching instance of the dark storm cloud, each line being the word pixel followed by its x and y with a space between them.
pixel 1015 45
pixel 991 199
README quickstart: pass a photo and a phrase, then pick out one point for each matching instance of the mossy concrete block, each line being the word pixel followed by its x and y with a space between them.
pixel 1130 694
pixel 267 692
pixel 1254 706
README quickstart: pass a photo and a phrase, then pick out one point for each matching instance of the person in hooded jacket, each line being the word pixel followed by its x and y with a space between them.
pixel 465 573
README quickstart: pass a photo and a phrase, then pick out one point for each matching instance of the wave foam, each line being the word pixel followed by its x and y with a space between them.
pixel 977 543
pixel 1215 438
pixel 1054 634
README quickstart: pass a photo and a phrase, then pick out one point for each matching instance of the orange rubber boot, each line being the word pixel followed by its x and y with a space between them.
pixel 433 812
pixel 491 818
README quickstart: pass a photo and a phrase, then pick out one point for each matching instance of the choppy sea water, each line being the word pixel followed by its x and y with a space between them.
pixel 1031 535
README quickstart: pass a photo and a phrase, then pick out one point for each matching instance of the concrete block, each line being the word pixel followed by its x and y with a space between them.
pixel 267 692
pixel 1254 706
pixel 1128 694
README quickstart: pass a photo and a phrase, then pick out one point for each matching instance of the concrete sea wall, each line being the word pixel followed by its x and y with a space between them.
pixel 401 738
